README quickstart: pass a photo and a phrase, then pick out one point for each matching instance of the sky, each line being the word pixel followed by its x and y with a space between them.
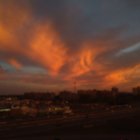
pixel 49 45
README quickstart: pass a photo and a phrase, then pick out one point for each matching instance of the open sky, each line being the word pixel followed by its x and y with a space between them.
pixel 51 44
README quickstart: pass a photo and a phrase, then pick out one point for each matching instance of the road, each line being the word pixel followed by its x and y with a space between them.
pixel 78 124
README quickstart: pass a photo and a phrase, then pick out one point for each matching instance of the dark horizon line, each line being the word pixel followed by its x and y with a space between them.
pixel 44 92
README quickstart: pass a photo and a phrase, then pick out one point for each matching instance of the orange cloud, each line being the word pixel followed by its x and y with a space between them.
pixel 124 76
pixel 13 17
pixel 44 47
pixel 47 49
pixel 84 60
pixel 15 63
pixel 83 63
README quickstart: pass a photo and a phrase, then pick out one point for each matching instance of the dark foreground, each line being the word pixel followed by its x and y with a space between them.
pixel 119 125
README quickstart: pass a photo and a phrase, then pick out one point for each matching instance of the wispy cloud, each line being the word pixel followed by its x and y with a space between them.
pixel 53 43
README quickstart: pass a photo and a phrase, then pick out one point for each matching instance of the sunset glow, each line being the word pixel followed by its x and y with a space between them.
pixel 49 49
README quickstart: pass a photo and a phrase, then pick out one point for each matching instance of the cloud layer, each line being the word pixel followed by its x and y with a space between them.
pixel 47 45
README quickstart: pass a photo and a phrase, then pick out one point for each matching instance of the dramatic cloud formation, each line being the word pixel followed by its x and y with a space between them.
pixel 47 48
pixel 129 76
pixel 50 44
